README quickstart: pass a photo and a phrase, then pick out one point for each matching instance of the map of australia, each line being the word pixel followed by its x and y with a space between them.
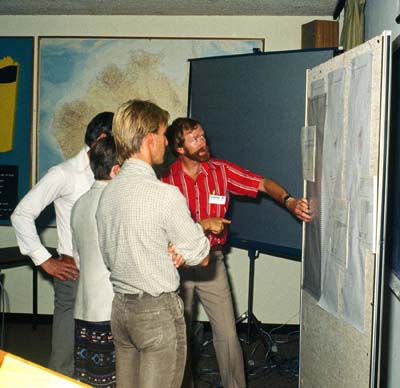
pixel 82 77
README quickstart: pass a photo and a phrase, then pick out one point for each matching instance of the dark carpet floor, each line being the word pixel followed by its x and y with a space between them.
pixel 271 359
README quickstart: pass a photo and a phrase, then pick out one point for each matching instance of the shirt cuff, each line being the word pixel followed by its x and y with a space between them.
pixel 40 255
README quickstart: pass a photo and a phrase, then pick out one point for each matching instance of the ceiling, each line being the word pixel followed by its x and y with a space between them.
pixel 169 7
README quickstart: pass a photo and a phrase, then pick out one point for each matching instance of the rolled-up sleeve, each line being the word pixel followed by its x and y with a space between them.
pixel 24 216
pixel 187 236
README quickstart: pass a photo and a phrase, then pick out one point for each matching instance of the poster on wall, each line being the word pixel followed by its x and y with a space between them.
pixel 80 77
pixel 16 69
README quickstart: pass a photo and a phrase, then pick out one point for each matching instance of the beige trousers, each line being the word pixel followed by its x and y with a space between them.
pixel 212 288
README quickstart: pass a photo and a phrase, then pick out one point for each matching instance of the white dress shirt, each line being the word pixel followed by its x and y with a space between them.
pixel 63 185
pixel 95 293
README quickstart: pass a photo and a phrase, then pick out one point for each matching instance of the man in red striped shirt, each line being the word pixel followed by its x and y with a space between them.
pixel 207 183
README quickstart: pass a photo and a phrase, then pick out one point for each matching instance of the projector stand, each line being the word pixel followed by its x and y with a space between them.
pixel 252 321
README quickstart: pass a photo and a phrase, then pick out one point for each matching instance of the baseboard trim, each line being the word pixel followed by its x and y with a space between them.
pixel 28 318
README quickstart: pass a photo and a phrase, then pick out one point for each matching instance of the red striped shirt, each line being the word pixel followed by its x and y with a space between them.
pixel 218 177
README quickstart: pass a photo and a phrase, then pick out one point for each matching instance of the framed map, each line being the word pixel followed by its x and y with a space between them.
pixel 80 77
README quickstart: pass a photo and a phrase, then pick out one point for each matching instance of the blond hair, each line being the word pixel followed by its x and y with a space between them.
pixel 133 120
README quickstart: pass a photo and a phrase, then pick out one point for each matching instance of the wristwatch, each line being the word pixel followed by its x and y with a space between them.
pixel 286 198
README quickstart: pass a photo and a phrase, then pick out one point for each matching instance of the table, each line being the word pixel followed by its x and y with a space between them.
pixel 11 257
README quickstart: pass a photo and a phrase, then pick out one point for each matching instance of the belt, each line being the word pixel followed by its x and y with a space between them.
pixel 145 295
pixel 218 247
pixel 64 256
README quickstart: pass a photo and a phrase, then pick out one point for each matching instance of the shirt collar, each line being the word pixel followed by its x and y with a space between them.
pixel 206 167
pixel 100 184
pixel 139 165
pixel 82 159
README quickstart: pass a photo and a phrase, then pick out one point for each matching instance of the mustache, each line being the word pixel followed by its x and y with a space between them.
pixel 204 149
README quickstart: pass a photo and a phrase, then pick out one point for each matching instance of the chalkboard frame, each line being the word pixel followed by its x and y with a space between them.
pixel 238 238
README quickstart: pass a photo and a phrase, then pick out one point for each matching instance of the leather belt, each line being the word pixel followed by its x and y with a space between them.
pixel 145 295
pixel 218 247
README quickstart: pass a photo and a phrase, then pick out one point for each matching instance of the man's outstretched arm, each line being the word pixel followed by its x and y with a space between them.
pixel 299 207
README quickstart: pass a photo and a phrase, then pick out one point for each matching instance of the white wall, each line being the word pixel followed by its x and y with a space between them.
pixel 379 16
pixel 277 281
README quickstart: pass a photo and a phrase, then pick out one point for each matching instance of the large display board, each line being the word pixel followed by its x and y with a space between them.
pixel 251 107
pixel 345 140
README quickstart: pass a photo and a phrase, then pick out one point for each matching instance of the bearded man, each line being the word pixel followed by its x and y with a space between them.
pixel 207 183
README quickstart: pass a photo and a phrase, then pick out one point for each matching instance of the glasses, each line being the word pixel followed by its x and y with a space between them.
pixel 195 140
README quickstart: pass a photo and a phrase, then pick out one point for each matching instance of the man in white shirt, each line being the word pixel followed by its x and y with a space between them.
pixel 62 185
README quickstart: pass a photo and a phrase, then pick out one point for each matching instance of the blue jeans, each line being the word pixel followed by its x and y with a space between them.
pixel 150 340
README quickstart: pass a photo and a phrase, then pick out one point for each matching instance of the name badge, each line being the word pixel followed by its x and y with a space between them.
pixel 217 199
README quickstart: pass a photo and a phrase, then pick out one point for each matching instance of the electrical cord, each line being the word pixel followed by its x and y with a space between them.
pixel 272 362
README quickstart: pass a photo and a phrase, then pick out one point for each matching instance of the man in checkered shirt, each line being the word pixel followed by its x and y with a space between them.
pixel 138 218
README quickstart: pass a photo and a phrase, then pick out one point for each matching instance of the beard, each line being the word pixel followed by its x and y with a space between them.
pixel 202 155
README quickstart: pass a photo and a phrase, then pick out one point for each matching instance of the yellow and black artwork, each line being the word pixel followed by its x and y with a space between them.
pixel 8 101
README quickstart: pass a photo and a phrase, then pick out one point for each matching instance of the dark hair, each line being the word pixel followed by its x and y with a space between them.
pixel 176 131
pixel 100 124
pixel 102 158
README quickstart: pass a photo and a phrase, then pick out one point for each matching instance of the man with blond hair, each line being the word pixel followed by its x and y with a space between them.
pixel 137 218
